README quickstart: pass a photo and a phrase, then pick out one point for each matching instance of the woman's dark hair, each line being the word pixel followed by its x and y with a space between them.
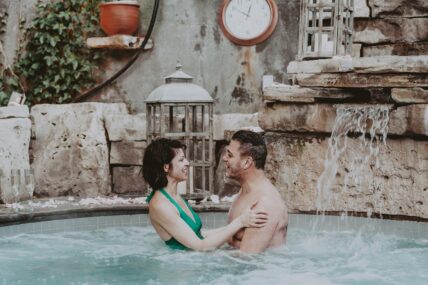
pixel 158 153
pixel 252 144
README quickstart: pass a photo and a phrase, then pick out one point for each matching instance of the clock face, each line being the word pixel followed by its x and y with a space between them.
pixel 248 22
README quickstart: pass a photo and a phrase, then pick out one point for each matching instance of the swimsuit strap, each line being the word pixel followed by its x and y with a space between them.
pixel 171 200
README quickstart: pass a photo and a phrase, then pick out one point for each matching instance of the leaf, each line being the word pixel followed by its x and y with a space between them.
pixel 52 42
pixel 75 64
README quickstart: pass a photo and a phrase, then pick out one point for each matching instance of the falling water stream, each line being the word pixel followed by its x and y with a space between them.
pixel 369 125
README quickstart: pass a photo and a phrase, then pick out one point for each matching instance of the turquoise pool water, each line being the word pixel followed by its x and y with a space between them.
pixel 126 250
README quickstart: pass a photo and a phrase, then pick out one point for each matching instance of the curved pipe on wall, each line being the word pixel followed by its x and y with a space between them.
pixel 91 91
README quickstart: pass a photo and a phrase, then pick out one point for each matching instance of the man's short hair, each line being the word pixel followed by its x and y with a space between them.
pixel 253 145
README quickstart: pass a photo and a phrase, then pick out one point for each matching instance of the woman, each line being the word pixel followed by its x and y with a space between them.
pixel 164 166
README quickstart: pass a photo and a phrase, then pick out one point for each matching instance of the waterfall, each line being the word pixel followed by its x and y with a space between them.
pixel 369 126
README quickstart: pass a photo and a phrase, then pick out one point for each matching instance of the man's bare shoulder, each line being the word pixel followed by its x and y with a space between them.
pixel 273 203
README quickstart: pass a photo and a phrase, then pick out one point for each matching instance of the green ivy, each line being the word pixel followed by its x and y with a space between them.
pixel 55 64
pixel 8 83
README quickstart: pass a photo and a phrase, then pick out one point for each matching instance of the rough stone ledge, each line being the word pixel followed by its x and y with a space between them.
pixel 118 42
pixel 359 80
pixel 401 49
pixel 373 64
pixel 320 118
pixel 295 93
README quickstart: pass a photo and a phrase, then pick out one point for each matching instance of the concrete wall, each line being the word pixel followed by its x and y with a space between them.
pixel 187 30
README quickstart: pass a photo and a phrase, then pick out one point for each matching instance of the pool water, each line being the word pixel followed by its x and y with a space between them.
pixel 329 250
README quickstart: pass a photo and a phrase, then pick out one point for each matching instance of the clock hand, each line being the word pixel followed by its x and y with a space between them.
pixel 243 13
pixel 249 9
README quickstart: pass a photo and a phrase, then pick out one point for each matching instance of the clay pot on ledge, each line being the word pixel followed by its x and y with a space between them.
pixel 119 17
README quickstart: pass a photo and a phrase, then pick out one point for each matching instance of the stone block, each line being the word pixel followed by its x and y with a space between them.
pixel 390 30
pixel 404 8
pixel 14 145
pixel 397 186
pixel 129 180
pixel 233 122
pixel 297 117
pixel 356 50
pixel 391 64
pixel 14 112
pixel 330 65
pixel 410 95
pixel 70 149
pixel 409 120
pixel 126 127
pixel 361 9
pixel 127 152
pixel 402 49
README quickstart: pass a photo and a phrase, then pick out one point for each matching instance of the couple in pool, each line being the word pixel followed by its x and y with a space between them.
pixel 257 219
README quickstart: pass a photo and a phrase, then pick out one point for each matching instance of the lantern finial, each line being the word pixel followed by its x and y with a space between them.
pixel 179 66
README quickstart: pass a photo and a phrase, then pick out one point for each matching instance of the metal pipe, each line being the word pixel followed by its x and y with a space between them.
pixel 91 91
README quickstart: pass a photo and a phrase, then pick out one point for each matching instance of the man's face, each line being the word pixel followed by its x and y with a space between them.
pixel 234 161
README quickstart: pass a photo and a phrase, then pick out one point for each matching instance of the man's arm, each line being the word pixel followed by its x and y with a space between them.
pixel 256 240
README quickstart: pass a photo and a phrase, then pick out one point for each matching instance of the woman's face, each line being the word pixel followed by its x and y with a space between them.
pixel 179 169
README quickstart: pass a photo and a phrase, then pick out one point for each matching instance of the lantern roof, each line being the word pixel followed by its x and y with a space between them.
pixel 178 88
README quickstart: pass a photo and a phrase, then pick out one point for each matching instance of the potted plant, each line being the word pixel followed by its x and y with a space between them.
pixel 119 17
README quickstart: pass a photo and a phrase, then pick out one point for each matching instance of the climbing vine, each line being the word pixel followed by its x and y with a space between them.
pixel 54 63
pixel 3 89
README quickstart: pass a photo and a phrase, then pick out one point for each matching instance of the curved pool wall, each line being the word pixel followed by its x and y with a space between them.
pixel 122 217
pixel 69 208
pixel 124 249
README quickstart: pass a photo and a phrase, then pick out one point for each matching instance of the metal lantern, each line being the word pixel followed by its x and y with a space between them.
pixel 326 28
pixel 182 110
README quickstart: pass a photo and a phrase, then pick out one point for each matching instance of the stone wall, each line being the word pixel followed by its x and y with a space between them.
pixel 388 68
pixel 15 132
pixel 393 27
pixel 87 150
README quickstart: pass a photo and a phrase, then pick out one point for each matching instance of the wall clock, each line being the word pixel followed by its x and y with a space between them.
pixel 248 22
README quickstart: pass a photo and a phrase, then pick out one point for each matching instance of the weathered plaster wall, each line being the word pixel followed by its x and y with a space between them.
pixel 187 30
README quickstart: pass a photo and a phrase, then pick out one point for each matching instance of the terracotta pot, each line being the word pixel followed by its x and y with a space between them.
pixel 119 18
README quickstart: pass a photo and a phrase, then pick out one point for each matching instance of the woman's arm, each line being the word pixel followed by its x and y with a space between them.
pixel 208 232
pixel 169 219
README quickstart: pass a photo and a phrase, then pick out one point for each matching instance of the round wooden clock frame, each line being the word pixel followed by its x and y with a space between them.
pixel 254 41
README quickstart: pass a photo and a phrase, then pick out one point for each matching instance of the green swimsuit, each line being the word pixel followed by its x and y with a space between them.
pixel 195 224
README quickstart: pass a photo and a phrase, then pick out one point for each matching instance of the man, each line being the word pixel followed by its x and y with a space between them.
pixel 245 158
